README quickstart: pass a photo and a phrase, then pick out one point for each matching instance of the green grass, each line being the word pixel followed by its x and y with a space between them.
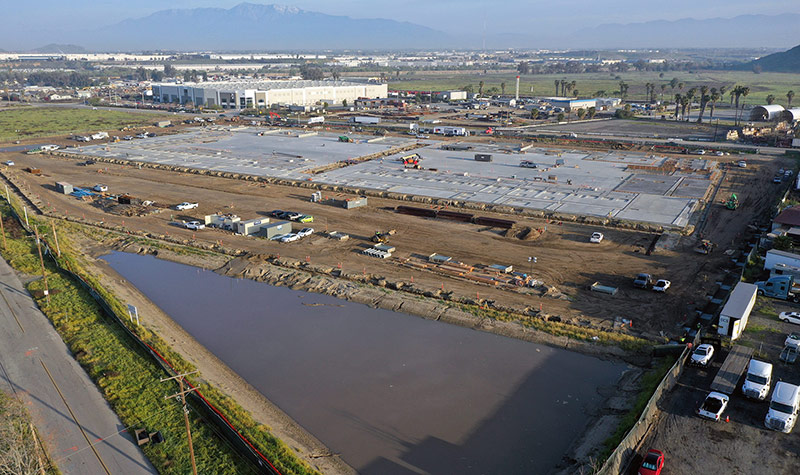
pixel 129 378
pixel 16 438
pixel 764 306
pixel 648 384
pixel 588 84
pixel 49 121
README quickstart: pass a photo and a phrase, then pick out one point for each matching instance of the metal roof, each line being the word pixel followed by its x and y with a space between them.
pixel 266 85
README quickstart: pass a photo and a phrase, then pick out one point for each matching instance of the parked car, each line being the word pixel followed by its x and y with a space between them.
pixel 793 339
pixel 527 164
pixel 596 237
pixel 661 285
pixel 653 463
pixel 703 354
pixel 290 237
pixel 186 205
pixel 127 137
pixel 643 281
pixel 305 232
pixel 777 179
pixel 277 238
pixel 306 218
pixel 713 406
pixel 790 317
pixel 276 213
pixel 10 163
pixel 719 153
pixel 292 216
pixel 742 164
pixel 141 136
pixel 100 187
pixel 194 225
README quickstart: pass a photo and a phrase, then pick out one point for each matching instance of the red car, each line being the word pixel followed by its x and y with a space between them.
pixel 653 463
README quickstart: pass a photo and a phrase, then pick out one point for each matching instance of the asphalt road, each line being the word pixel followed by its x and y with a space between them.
pixel 81 432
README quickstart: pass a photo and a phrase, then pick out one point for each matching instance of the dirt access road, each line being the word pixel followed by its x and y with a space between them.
pixel 743 445
pixel 565 257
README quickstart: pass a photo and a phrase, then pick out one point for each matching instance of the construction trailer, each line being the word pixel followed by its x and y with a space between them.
pixel 64 187
pixel 163 123
pixel 483 157
pixel 277 228
pixel 222 221
pixel 251 227
pixel 734 315
pixel 775 257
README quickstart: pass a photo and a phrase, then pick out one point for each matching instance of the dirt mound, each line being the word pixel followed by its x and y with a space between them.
pixel 524 233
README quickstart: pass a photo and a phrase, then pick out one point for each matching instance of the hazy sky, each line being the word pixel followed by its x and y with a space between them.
pixel 35 19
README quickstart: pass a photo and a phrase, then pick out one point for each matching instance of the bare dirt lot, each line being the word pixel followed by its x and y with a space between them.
pixel 565 257
pixel 743 445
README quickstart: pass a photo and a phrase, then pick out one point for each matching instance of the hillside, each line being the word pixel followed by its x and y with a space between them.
pixel 784 62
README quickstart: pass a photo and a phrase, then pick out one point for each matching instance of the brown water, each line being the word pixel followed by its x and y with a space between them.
pixel 393 393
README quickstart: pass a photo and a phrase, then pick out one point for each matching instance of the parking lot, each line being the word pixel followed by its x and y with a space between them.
pixel 695 445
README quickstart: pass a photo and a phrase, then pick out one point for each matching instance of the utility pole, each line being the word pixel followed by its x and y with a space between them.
pixel 55 237
pixel 3 231
pixel 41 261
pixel 182 393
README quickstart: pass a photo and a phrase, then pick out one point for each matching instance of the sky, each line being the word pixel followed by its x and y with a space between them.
pixel 42 18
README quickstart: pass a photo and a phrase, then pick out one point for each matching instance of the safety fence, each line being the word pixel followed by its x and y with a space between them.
pixel 217 421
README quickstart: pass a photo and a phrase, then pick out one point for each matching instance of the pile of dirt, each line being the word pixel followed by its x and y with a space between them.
pixel 524 233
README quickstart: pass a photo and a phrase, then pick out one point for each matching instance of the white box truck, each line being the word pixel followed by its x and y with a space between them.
pixel 734 315
pixel 365 120
pixel 783 407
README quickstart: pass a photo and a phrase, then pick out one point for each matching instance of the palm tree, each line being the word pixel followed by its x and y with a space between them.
pixel 503 88
pixel 685 102
pixel 736 93
pixel 689 98
pixel 575 93
pixel 704 98
pixel 715 96
pixel 564 83
pixel 789 97
pixel 556 83
pixel 770 99
pixel 680 86
pixel 673 83
pixel 480 89
pixel 678 101
pixel 663 88
pixel 745 92
pixel 572 85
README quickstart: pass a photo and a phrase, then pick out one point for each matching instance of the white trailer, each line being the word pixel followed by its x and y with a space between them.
pixel 365 120
pixel 734 315
pixel 775 257
pixel 316 120
pixel 450 131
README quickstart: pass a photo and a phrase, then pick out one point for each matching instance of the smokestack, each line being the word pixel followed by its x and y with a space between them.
pixel 517 95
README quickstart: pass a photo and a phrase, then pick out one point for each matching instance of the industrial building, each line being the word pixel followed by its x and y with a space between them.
pixel 791 115
pixel 571 104
pixel 264 94
pixel 766 113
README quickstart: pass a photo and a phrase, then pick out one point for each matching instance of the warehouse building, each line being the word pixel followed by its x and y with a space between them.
pixel 791 115
pixel 264 94
pixel 571 104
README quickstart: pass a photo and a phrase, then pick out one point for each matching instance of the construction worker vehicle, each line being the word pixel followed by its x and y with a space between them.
pixel 732 202
pixel 704 247
pixel 411 161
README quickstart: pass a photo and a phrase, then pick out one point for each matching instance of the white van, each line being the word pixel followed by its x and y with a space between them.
pixel 758 379
pixel 783 408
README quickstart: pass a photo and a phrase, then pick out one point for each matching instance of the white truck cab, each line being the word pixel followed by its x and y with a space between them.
pixel 757 382
pixel 783 408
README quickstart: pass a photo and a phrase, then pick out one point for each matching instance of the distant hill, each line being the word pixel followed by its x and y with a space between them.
pixel 56 48
pixel 744 31
pixel 785 62
pixel 250 26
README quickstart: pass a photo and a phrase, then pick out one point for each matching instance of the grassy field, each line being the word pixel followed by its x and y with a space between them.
pixel 127 376
pixel 29 122
pixel 588 84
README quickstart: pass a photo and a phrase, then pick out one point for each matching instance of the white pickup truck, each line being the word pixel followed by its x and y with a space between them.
pixel 186 205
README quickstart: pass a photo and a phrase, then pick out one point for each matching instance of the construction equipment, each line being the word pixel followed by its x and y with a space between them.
pixel 411 160
pixel 704 247
pixel 733 202
pixel 383 237
pixel 344 138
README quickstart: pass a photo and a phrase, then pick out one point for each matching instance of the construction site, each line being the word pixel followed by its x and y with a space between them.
pixel 514 225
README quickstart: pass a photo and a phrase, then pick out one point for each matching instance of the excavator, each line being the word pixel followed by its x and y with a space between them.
pixel 383 237
pixel 704 247
pixel 733 202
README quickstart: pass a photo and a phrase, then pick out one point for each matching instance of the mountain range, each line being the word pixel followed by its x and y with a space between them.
pixel 258 27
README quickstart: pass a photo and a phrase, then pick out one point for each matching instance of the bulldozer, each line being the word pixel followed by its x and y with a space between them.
pixel 704 247
pixel 344 138
pixel 383 237
pixel 733 202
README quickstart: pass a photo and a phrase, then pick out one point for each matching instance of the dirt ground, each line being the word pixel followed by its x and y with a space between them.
pixel 743 445
pixel 565 257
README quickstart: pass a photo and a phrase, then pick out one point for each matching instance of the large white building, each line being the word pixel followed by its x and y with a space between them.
pixel 263 94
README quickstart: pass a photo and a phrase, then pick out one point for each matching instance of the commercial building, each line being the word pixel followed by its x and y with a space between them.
pixel 264 94
pixel 451 95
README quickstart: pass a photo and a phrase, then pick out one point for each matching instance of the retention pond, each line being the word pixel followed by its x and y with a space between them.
pixel 390 392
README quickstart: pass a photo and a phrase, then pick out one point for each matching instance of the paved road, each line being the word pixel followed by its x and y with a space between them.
pixel 67 409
